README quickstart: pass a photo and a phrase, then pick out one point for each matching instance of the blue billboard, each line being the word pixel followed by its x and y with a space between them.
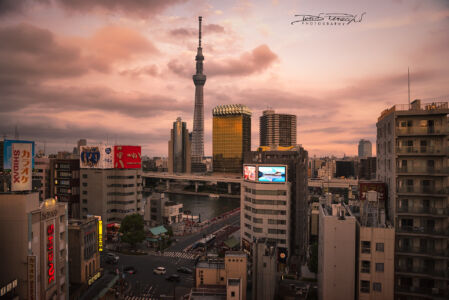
pixel 7 152
pixel 271 174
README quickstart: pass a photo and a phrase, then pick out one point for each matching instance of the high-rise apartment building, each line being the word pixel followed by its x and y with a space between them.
pixel 199 79
pixel 294 192
pixel 34 246
pixel 336 253
pixel 412 158
pixel 365 149
pixel 65 183
pixel 277 129
pixel 231 134
pixel 179 148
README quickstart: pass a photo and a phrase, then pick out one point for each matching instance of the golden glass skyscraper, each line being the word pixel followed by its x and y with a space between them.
pixel 231 135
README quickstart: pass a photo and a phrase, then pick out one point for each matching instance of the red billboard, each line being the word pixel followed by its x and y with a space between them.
pixel 127 157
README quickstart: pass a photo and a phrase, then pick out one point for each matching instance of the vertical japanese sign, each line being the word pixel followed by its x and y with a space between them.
pixel 50 254
pixel 32 277
pixel 21 167
pixel 100 235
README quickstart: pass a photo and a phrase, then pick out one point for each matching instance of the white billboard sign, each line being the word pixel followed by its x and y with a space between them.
pixel 21 167
pixel 97 157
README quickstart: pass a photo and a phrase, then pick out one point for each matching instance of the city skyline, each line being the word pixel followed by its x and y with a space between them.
pixel 68 65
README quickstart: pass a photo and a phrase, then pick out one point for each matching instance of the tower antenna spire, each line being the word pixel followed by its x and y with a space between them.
pixel 200 18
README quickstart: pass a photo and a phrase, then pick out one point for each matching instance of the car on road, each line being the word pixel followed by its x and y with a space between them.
pixel 184 270
pixel 129 270
pixel 159 271
pixel 173 277
pixel 111 258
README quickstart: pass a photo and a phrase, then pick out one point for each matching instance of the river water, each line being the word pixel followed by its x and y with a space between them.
pixel 204 206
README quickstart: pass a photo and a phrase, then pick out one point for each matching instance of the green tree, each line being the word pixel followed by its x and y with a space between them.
pixel 132 229
pixel 313 258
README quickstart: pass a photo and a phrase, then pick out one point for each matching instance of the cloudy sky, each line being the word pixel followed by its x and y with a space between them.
pixel 121 71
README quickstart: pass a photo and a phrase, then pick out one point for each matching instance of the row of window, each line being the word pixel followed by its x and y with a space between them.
pixel 366 267
pixel 365 286
pixel 121 202
pixel 366 247
pixel 271 240
pixel 270 230
pixel 266 192
pixel 122 211
pixel 265 211
pixel 120 185
pixel 265 202
pixel 120 194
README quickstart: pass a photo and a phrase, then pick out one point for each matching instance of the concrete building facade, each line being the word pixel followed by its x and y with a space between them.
pixel 336 253
pixel 84 254
pixel 41 177
pixel 34 245
pixel 111 193
pixel 277 129
pixel 296 160
pixel 412 158
pixel 365 149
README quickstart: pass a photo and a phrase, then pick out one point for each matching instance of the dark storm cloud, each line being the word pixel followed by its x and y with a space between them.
pixel 256 61
pixel 27 51
pixel 23 95
pixel 137 8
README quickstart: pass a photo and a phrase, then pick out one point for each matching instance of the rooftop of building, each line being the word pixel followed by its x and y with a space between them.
pixel 235 253
pixel 211 264
pixel 208 293
pixel 416 107
pixel 78 222
pixel 233 281
pixel 231 109
pixel 172 203
pixel 339 210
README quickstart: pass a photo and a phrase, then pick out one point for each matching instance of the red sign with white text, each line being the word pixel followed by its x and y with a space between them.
pixel 127 157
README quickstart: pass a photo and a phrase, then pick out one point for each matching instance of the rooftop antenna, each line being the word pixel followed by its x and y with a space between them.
pixel 408 71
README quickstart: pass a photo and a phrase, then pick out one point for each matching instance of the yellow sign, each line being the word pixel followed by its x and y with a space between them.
pixel 100 235
pixel 93 278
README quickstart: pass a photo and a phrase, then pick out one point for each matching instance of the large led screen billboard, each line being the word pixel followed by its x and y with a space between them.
pixel 7 152
pixel 97 157
pixel 249 173
pixel 271 174
pixel 127 157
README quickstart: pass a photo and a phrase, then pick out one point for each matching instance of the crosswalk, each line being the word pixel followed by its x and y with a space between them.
pixel 182 255
pixel 139 298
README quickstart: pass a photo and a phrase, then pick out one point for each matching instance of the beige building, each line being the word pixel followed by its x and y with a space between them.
pixel 336 253
pixel 230 273
pixel 162 211
pixel 265 213
pixel 412 158
pixel 376 263
pixel 84 254
pixel 34 245
pixel 111 194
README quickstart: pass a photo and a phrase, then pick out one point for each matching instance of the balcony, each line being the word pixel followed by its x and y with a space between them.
pixel 412 170
pixel 423 251
pixel 421 270
pixel 416 130
pixel 423 230
pixel 423 190
pixel 431 293
pixel 420 151
pixel 435 212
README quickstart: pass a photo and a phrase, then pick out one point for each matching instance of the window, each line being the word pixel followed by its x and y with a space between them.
pixel 364 286
pixel 379 267
pixel 256 229
pixel 233 294
pixel 84 175
pixel 247 235
pixel 84 184
pixel 276 231
pixel 377 286
pixel 365 267
pixel 248 217
pixel 221 278
pixel 257 220
pixel 84 201
pixel 84 192
pixel 366 247
pixel 380 247
pixel 278 222
pixel 248 226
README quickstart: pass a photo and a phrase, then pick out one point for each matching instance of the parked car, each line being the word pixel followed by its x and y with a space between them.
pixel 159 271
pixel 173 277
pixel 184 270
pixel 129 270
